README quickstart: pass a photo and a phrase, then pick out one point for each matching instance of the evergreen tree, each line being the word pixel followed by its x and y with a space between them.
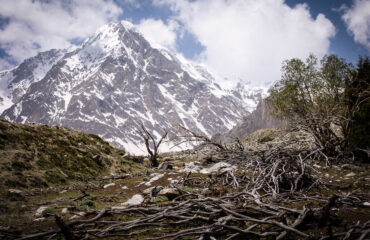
pixel 358 95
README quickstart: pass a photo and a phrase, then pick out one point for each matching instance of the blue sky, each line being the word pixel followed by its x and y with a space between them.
pixel 342 44
pixel 236 39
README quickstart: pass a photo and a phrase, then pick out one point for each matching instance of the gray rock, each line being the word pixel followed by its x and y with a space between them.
pixel 40 210
pixel 15 194
pixel 64 210
pixel 165 166
pixel 170 193
pixel 152 191
pixel 260 118
pixel 15 191
pixel 137 199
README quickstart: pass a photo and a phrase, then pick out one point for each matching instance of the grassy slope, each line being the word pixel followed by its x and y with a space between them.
pixel 41 156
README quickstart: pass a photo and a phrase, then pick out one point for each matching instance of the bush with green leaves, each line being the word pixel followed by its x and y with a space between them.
pixel 311 95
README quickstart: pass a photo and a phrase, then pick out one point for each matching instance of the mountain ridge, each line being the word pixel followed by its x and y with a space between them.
pixel 116 77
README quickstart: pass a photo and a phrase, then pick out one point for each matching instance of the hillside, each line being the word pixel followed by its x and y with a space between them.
pixel 36 156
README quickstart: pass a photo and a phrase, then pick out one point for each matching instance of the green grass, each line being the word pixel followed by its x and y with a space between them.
pixel 42 156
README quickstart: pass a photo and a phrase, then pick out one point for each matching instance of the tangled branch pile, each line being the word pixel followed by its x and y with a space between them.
pixel 237 216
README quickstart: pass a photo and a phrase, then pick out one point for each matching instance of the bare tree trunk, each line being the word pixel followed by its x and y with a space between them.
pixel 154 161
pixel 151 144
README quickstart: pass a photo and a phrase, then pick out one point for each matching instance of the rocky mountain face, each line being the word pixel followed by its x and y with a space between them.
pixel 14 83
pixel 112 82
pixel 251 96
pixel 260 118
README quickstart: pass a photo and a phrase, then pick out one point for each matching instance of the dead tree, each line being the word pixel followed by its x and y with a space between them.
pixel 151 143
pixel 186 135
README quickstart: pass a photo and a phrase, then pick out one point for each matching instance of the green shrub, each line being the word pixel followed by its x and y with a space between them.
pixel 55 177
pixel 35 181
pixel 49 212
pixel 161 199
pixel 5 208
pixel 85 203
pixel 113 198
pixel 310 95
pixel 15 183
pixel 265 139
pixel 20 165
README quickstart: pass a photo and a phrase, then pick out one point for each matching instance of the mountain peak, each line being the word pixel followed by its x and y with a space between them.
pixel 116 79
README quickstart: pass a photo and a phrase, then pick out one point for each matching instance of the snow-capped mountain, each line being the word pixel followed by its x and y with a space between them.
pixel 250 95
pixel 14 83
pixel 113 81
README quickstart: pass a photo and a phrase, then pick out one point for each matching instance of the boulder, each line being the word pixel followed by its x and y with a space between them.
pixel 64 210
pixel 152 191
pixel 15 195
pixel 40 210
pixel 170 193
pixel 155 177
pixel 165 166
pixel 148 190
pixel 137 199
pixel 14 191
pixel 220 166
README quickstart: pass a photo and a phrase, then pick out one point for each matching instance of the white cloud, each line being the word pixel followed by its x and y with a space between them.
pixel 357 19
pixel 157 32
pixel 36 26
pixel 249 39
pixel 5 64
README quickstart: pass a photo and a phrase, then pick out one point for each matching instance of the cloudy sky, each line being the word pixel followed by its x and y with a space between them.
pixel 237 39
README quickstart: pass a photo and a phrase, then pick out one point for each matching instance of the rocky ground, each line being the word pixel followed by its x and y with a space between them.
pixel 203 195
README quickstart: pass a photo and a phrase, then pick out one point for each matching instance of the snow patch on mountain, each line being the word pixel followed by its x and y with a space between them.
pixel 15 82
pixel 116 80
